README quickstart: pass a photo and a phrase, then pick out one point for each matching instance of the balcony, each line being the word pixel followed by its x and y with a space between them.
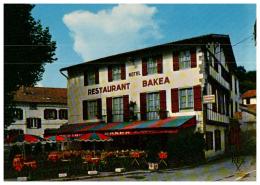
pixel 217 76
pixel 214 116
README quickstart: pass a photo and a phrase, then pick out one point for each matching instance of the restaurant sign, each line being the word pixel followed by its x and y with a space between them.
pixel 208 99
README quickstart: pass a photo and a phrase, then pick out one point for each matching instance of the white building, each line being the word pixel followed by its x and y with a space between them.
pixel 38 109
pixel 165 82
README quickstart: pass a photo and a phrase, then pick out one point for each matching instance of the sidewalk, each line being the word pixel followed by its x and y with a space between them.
pixel 231 174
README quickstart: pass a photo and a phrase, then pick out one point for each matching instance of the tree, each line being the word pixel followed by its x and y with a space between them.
pixel 247 80
pixel 27 48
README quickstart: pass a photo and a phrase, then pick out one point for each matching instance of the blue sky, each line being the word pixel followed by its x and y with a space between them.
pixel 88 31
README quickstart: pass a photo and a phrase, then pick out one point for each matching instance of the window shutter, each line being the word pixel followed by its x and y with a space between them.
pixel 21 114
pixel 175 61
pixel 85 110
pixel 143 106
pixel 214 105
pixel 144 67
pixel 28 122
pixel 97 76
pixel 60 112
pixel 99 108
pixel 39 123
pixel 126 107
pixel 197 98
pixel 123 72
pixel 85 78
pixel 109 109
pixel 175 100
pixel 159 64
pixel 193 58
pixel 110 75
pixel 231 107
pixel 55 114
pixel 163 113
pixel 46 114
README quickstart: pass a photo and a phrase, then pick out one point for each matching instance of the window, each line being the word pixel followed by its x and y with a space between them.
pixel 50 114
pixel 117 109
pixel 185 59
pixel 247 101
pixel 151 66
pixel 116 73
pixel 209 140
pixel 92 109
pixel 63 114
pixel 91 77
pixel 33 122
pixel 153 105
pixel 18 114
pixel 217 140
pixel 186 98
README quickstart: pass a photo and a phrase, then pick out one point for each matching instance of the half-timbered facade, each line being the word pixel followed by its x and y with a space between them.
pixel 158 83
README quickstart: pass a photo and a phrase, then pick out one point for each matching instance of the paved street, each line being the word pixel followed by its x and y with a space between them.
pixel 222 170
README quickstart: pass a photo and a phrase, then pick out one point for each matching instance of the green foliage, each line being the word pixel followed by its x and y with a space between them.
pixel 247 80
pixel 27 48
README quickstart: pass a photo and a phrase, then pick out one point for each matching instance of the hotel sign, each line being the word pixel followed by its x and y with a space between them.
pixel 208 99
pixel 126 86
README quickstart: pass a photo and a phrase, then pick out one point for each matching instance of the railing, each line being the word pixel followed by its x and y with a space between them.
pixel 214 116
pixel 217 76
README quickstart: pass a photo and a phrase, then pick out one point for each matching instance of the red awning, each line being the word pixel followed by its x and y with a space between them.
pixel 168 125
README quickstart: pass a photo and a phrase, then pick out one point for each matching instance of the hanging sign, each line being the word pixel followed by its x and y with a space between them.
pixel 208 99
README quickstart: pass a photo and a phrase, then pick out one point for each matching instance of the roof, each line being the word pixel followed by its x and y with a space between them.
pixel 41 95
pixel 172 122
pixel 176 45
pixel 249 94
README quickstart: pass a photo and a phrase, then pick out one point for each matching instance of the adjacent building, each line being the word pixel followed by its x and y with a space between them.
pixel 248 110
pixel 38 109
pixel 157 90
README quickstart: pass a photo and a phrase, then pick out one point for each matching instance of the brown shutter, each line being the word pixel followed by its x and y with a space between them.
pixel 110 75
pixel 85 78
pixel 99 108
pixel 175 100
pixel 97 76
pixel 144 67
pixel 143 106
pixel 55 115
pixel 60 112
pixel 28 122
pixel 175 61
pixel 109 109
pixel 126 107
pixel 197 98
pixel 45 113
pixel 159 64
pixel 85 110
pixel 39 123
pixel 123 72
pixel 193 58
pixel 163 113
pixel 214 105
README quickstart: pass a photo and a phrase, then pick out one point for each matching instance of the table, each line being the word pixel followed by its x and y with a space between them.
pixel 95 161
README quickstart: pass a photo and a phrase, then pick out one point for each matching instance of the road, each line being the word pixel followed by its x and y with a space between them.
pixel 221 170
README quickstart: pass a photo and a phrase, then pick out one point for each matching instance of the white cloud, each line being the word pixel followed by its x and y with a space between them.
pixel 39 84
pixel 123 28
